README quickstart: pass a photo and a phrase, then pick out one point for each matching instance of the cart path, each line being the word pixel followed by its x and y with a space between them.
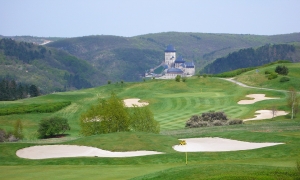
pixel 244 85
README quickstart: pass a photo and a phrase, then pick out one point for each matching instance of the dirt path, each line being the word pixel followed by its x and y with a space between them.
pixel 244 85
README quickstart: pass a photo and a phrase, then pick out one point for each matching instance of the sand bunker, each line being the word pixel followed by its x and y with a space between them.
pixel 61 151
pixel 216 144
pixel 257 97
pixel 266 114
pixel 131 102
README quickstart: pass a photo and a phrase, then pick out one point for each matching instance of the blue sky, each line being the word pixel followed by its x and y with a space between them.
pixel 73 18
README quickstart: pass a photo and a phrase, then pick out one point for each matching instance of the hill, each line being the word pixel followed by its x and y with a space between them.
pixel 172 104
pixel 258 78
pixel 48 68
pixel 252 57
pixel 126 58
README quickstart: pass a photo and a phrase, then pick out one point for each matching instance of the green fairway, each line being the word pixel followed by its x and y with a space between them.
pixel 172 104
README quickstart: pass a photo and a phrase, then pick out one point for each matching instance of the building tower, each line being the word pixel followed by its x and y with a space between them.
pixel 170 56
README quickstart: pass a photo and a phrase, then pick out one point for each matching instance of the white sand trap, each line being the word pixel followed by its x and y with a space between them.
pixel 266 114
pixel 215 144
pixel 131 102
pixel 257 97
pixel 62 151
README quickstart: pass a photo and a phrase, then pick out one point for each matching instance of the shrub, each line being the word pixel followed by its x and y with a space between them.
pixel 52 126
pixel 184 79
pixel 108 82
pixel 267 72
pixel 177 78
pixel 142 120
pixel 211 119
pixel 235 121
pixel 34 108
pixel 272 76
pixel 207 119
pixel 283 70
pixel 18 129
pixel 2 135
pixel 217 123
pixel 284 79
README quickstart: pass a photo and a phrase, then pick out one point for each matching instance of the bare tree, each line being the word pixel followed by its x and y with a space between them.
pixel 274 111
pixel 293 101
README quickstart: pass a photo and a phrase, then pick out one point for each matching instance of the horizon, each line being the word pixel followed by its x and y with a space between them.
pixel 142 34
pixel 54 18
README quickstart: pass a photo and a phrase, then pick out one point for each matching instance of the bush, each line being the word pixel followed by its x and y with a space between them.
pixel 218 123
pixel 235 121
pixel 2 135
pixel 283 70
pixel 142 120
pixel 267 72
pixel 111 115
pixel 211 119
pixel 34 108
pixel 272 76
pixel 52 126
pixel 177 78
pixel 284 79
pixel 18 130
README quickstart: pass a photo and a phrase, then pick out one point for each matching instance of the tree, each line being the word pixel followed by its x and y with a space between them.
pixel 34 91
pixel 142 120
pixel 293 101
pixel 107 116
pixel 274 111
pixel 283 70
pixel 18 129
pixel 177 78
pixel 52 126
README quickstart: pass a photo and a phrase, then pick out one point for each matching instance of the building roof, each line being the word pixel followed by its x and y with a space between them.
pixel 174 71
pixel 189 65
pixel 170 48
pixel 165 66
pixel 179 60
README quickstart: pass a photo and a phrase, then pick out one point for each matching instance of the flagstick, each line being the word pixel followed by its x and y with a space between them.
pixel 185 156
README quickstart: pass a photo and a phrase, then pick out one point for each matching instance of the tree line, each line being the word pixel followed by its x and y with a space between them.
pixel 11 90
pixel 22 50
pixel 250 57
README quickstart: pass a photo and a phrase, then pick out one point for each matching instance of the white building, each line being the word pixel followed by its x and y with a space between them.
pixel 176 66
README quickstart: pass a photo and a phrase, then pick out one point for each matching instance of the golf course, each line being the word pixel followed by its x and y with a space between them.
pixel 172 104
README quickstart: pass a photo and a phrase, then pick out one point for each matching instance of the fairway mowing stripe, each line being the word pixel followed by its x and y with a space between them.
pixel 192 102
pixel 212 101
pixel 173 103
pixel 182 102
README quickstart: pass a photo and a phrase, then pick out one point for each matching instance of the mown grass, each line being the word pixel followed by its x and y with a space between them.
pixel 271 162
pixel 173 104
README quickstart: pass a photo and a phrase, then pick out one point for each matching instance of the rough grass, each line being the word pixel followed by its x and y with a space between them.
pixel 259 79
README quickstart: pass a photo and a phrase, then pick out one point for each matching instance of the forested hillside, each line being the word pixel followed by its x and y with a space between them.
pixel 48 68
pixel 252 57
pixel 97 59
pixel 110 53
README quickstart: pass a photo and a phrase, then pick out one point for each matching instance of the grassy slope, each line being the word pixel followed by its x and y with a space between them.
pixel 172 103
pixel 258 79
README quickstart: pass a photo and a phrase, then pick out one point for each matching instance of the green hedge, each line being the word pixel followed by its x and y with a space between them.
pixel 34 108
